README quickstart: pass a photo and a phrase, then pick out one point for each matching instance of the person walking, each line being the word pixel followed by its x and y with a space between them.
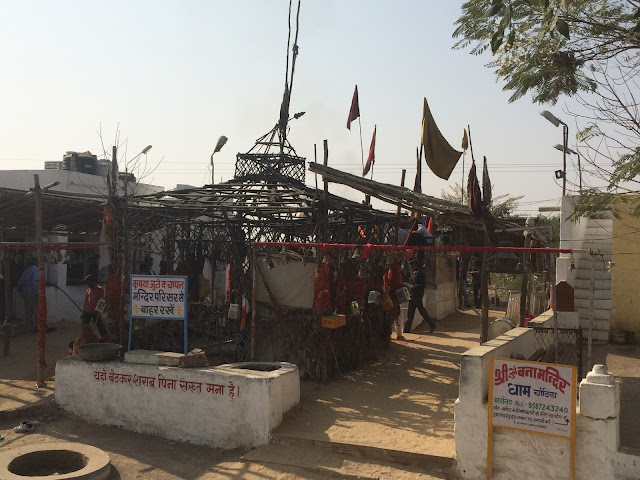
pixel 29 284
pixel 475 267
pixel 461 274
pixel 418 282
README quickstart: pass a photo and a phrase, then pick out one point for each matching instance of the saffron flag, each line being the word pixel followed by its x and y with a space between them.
pixel 465 140
pixel 486 184
pixel 354 111
pixel 439 155
pixel 372 154
pixel 430 227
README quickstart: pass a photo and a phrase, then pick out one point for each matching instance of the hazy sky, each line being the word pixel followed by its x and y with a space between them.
pixel 178 74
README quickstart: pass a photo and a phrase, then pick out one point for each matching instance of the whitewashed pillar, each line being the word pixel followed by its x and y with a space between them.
pixel 597 435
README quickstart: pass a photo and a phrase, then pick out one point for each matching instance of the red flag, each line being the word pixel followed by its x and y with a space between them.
pixel 354 111
pixel 430 228
pixel 372 154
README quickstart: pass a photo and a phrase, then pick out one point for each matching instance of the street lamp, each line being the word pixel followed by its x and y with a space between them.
pixel 565 138
pixel 557 146
pixel 221 141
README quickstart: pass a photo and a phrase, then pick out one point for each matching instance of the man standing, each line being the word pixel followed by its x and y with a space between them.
pixel 29 283
pixel 418 282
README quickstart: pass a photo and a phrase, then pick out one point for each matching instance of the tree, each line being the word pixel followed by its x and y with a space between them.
pixel 502 206
pixel 585 49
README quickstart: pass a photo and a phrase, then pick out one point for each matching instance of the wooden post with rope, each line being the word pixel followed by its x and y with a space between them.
pixel 42 297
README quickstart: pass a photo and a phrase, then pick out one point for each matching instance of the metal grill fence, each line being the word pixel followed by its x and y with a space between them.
pixel 569 345
pixel 220 247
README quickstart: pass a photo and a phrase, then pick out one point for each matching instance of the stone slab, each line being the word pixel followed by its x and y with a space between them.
pixel 153 357
pixel 338 464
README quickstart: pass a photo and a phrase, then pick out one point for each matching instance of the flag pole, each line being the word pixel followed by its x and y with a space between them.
pixel 361 147
pixel 464 154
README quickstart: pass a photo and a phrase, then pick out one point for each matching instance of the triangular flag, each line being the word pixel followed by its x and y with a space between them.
pixel 372 154
pixel 465 140
pixel 486 184
pixel 417 185
pixel 354 111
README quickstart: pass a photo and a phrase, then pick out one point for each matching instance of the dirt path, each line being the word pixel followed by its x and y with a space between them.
pixel 18 370
pixel 403 402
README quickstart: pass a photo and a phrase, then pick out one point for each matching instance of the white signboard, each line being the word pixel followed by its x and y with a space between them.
pixel 162 297
pixel 532 396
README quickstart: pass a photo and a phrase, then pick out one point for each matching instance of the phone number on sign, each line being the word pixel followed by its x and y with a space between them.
pixel 551 408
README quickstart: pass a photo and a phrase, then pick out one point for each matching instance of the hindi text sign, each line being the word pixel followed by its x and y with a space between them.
pixel 532 396
pixel 161 297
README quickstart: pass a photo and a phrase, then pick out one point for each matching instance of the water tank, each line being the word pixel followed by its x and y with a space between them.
pixel 82 162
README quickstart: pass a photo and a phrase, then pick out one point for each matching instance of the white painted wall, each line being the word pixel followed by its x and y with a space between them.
pixel 72 182
pixel 529 455
pixel 595 234
pixel 205 418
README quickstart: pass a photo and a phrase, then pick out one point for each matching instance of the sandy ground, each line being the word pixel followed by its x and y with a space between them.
pixel 402 402
pixel 18 371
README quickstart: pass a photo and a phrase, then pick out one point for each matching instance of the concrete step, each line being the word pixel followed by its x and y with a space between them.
pixel 598 314
pixel 584 284
pixel 600 325
pixel 583 303
pixel 346 460
pixel 600 336
pixel 597 295
pixel 585 273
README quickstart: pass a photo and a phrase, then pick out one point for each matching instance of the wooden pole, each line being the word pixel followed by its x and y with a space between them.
pixel 42 302
pixel 524 287
pixel 315 160
pixel 554 303
pixel 254 268
pixel 591 300
pixel 7 325
pixel 484 291
pixel 404 172
pixel 325 208
pixel 8 301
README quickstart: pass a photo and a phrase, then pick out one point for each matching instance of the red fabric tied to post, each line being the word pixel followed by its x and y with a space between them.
pixel 322 290
pixel 393 278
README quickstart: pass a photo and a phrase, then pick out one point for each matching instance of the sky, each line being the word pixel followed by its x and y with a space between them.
pixel 179 74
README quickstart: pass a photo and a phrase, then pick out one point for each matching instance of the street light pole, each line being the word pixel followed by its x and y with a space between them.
pixel 557 146
pixel 565 139
pixel 221 141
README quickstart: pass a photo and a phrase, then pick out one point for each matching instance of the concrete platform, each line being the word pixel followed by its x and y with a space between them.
pixel 153 357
